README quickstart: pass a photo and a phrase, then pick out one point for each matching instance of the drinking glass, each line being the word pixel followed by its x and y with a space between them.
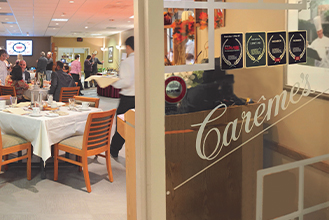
pixel 71 103
pixel 50 98
pixel 13 100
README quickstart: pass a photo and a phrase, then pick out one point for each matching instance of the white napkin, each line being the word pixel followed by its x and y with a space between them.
pixel 16 111
pixel 23 104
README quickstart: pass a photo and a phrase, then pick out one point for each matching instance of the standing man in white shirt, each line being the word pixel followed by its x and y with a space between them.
pixel 3 66
pixel 127 94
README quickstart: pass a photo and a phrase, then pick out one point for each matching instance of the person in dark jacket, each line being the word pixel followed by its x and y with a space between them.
pixel 94 62
pixel 42 64
pixel 60 79
pixel 87 69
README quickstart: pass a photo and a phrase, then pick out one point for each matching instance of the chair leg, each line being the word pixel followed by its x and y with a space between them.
pixel 56 162
pixel 85 172
pixel 108 166
pixel 6 158
pixel 78 158
pixel 28 163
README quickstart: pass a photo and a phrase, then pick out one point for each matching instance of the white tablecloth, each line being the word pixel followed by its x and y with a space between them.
pixel 44 131
pixel 103 81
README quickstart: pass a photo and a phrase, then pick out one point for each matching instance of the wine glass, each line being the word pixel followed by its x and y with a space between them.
pixel 71 103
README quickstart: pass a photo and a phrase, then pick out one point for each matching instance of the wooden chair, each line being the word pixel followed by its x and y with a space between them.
pixel 95 140
pixel 12 144
pixel 7 98
pixel 8 90
pixel 93 102
pixel 68 92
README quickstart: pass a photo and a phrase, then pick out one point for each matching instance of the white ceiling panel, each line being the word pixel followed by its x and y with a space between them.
pixel 35 17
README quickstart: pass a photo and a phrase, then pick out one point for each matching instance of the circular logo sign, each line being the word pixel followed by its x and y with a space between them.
pixel 19 47
pixel 175 88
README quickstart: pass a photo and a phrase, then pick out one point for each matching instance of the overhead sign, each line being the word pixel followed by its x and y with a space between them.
pixel 255 49
pixel 297 47
pixel 232 51
pixel 276 48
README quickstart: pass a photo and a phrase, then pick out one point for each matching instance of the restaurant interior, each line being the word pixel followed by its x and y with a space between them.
pixel 224 142
pixel 67 28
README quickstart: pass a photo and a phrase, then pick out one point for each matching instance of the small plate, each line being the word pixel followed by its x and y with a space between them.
pixel 35 115
pixel 52 114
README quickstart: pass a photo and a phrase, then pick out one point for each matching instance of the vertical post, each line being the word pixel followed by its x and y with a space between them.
pixel 149 81
pixel 301 192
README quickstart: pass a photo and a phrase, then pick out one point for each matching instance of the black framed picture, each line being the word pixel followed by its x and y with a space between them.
pixel 111 54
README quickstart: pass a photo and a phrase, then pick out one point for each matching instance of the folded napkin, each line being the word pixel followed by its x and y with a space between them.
pixel 61 113
pixel 23 104
pixel 60 103
pixel 16 111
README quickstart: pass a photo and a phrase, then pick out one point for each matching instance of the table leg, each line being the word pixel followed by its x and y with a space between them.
pixel 43 170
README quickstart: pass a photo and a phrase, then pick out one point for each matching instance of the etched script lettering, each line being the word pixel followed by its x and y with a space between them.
pixel 263 113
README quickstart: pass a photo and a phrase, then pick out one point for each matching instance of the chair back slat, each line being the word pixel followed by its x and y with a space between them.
pixel 7 90
pixel 98 130
pixel 68 92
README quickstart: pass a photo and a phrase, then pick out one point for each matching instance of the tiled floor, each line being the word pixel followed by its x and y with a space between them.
pixel 67 199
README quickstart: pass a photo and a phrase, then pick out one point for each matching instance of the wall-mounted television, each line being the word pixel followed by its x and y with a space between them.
pixel 23 47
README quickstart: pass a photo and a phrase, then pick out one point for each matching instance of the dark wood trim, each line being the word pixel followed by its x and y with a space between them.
pixel 295 155
pixel 323 96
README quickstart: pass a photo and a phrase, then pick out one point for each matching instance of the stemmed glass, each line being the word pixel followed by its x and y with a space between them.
pixel 71 103
pixel 13 100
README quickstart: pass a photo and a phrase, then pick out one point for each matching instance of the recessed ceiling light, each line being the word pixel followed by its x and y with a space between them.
pixel 96 34
pixel 71 1
pixel 86 27
pixel 129 21
pixel 56 23
pixel 131 16
pixel 54 28
pixel 59 19
pixel 0 8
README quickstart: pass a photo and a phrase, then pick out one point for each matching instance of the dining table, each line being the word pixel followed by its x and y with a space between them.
pixel 104 87
pixel 44 129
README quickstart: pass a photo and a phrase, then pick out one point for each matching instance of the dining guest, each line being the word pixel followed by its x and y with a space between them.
pixel 87 69
pixel 94 62
pixel 25 74
pixel 41 64
pixel 3 66
pixel 127 94
pixel 49 67
pixel 59 79
pixel 76 71
pixel 18 82
pixel 9 81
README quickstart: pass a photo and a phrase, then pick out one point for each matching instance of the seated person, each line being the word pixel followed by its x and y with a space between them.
pixel 25 74
pixel 19 83
pixel 59 79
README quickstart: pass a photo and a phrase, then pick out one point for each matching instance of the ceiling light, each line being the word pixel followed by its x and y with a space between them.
pixel 131 16
pixel 86 27
pixel 56 23
pixel 27 34
pixel 96 34
pixel 63 14
pixel 71 1
pixel 59 19
pixel 129 21
pixel 0 8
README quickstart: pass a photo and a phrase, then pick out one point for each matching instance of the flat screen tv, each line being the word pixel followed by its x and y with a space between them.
pixel 23 47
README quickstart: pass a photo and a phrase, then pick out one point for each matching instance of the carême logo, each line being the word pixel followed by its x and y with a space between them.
pixel 268 109
pixel 263 113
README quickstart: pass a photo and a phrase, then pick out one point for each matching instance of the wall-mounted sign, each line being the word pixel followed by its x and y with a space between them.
pixel 276 48
pixel 232 51
pixel 15 47
pixel 297 47
pixel 175 87
pixel 255 49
